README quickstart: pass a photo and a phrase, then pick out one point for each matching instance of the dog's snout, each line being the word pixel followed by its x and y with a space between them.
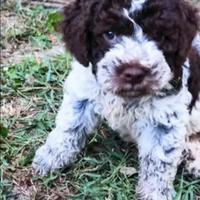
pixel 134 74
pixel 132 79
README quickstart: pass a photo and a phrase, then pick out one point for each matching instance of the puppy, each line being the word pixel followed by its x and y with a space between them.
pixel 137 65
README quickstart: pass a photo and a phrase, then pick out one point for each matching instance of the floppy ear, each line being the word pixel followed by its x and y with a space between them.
pixel 194 79
pixel 194 60
pixel 75 29
pixel 189 20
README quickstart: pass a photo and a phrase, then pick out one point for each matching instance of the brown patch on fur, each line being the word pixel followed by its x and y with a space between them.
pixel 191 159
pixel 173 25
pixel 195 137
pixel 194 79
pixel 85 22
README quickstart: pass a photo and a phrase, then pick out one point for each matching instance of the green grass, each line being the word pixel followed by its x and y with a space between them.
pixel 31 93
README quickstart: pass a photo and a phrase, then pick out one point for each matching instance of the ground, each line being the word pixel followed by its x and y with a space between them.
pixel 33 68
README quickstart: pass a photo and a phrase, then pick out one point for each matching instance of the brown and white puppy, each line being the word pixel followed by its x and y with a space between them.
pixel 137 65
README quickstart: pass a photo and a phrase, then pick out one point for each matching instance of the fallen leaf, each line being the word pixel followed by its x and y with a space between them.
pixel 128 171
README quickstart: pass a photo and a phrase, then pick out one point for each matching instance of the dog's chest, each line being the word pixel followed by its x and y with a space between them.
pixel 144 114
pixel 122 115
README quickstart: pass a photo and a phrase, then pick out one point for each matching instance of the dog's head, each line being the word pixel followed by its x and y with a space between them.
pixel 136 47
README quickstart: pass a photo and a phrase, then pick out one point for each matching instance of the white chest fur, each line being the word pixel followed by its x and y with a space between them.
pixel 145 113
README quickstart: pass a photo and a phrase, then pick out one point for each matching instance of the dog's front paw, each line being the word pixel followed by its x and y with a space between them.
pixel 47 159
pixel 154 196
pixel 155 191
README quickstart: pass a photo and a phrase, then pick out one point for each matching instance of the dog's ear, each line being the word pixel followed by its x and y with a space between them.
pixel 187 21
pixel 75 31
pixel 194 61
pixel 194 79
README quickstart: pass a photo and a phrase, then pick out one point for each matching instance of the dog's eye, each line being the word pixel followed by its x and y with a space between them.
pixel 110 36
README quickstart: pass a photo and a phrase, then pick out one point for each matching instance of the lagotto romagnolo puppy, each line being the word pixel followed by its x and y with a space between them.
pixel 137 65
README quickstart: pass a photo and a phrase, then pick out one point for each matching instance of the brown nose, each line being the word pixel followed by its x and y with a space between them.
pixel 134 75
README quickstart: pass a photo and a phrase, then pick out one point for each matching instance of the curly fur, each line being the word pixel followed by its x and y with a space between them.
pixel 194 83
pixel 170 19
pixel 137 65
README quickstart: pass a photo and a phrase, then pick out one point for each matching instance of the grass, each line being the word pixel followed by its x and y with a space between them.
pixel 31 93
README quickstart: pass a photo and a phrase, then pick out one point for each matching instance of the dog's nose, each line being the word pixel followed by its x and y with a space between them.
pixel 134 75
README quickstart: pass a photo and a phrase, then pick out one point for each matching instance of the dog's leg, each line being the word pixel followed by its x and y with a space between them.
pixel 192 158
pixel 160 150
pixel 75 120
